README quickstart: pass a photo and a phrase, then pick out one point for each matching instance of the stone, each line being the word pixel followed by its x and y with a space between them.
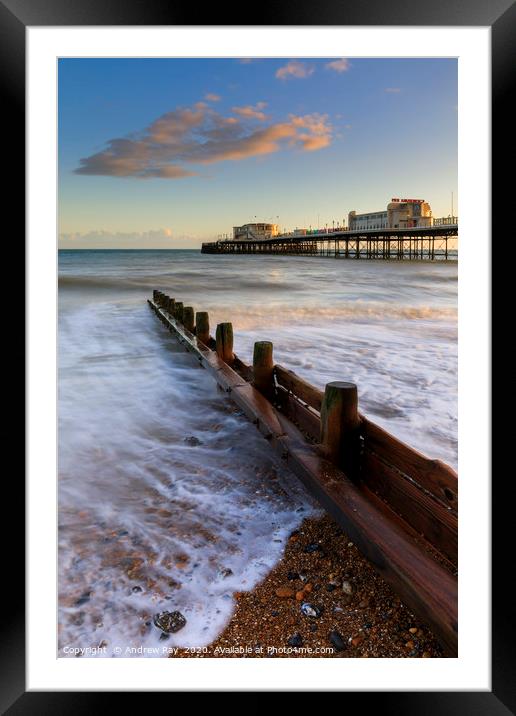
pixel 357 640
pixel 136 589
pixel 192 441
pixel 295 640
pixel 85 597
pixel 284 592
pixel 300 596
pixel 226 572
pixel 413 630
pixel 337 641
pixel 291 576
pixel 311 610
pixel 169 622
pixel 312 547
pixel 347 587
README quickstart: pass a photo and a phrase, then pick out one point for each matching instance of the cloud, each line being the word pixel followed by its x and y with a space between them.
pixel 392 90
pixel 200 135
pixel 251 112
pixel 294 68
pixel 341 65
pixel 97 239
pixel 210 97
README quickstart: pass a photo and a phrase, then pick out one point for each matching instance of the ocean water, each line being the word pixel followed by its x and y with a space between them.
pixel 168 498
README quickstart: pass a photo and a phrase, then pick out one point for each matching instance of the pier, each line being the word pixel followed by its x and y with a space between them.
pixel 417 243
pixel 398 506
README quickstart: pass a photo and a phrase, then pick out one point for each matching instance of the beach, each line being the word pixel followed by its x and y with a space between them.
pixel 170 500
pixel 352 612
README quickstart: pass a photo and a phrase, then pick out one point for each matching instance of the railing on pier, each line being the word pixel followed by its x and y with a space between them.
pixel 398 506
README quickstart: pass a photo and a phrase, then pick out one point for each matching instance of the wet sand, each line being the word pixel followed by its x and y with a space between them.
pixel 350 611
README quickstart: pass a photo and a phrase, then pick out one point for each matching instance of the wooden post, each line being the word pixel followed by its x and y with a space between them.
pixel 263 368
pixel 202 327
pixel 224 342
pixel 178 313
pixel 171 305
pixel 188 318
pixel 340 423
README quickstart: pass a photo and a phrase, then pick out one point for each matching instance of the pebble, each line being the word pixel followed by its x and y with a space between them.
pixel 347 587
pixel 193 441
pixel 284 592
pixel 85 597
pixel 413 630
pixel 300 596
pixel 310 610
pixel 136 589
pixel 312 547
pixel 226 572
pixel 291 576
pixel 337 641
pixel 295 640
pixel 356 640
pixel 169 622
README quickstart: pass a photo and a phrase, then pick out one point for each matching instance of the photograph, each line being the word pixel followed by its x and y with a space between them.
pixel 257 362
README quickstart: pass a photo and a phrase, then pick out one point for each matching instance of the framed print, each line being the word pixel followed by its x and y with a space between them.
pixel 258 357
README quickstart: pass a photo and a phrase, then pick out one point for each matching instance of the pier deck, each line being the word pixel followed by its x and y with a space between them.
pixel 431 243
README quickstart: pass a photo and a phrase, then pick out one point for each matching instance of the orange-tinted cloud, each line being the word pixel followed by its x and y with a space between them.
pixel 211 97
pixel 294 68
pixel 251 112
pixel 187 136
pixel 341 65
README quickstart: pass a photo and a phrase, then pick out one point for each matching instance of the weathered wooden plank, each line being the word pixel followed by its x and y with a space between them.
pixel 432 475
pixel 305 391
pixel 245 370
pixel 258 409
pixel 423 512
pixel 308 421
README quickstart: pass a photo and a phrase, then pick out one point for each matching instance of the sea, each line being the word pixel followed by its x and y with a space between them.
pixel 169 499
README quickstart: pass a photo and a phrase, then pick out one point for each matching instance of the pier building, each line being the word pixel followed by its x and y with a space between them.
pixel 255 232
pixel 399 214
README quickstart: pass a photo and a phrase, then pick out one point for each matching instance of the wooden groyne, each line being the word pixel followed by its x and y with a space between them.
pixel 398 506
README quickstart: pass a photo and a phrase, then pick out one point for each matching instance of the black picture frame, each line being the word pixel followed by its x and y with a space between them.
pixel 500 15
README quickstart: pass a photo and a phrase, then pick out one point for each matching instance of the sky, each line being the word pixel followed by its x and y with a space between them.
pixel 168 153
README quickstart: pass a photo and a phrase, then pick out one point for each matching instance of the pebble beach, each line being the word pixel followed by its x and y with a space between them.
pixel 323 599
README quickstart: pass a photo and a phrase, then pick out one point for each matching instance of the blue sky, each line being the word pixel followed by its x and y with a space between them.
pixel 170 152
